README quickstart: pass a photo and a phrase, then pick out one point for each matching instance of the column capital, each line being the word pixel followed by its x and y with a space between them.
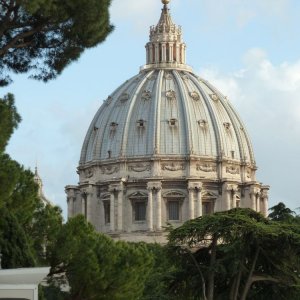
pixel 118 187
pixel 195 186
pixel 156 186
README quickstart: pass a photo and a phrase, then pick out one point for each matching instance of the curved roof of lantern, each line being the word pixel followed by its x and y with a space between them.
pixel 166 110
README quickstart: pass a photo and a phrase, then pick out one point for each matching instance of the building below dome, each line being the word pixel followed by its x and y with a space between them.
pixel 165 147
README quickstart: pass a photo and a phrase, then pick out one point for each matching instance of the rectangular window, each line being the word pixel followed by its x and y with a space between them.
pixel 173 210
pixel 140 211
pixel 107 212
pixel 206 208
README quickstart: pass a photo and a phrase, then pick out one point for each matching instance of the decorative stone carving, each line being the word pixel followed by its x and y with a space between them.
pixel 195 96
pixel 171 95
pixel 146 95
pixel 234 170
pixel 173 167
pixel 248 173
pixel 108 170
pixel 89 173
pixel 206 168
pixel 124 97
pixel 185 77
pixel 168 76
pixel 139 167
pixel 214 97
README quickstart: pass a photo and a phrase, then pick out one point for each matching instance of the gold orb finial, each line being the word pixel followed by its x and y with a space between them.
pixel 165 2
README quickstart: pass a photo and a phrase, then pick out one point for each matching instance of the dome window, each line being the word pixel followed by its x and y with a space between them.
pixel 113 126
pixel 227 125
pixel 140 123
pixel 171 95
pixel 124 97
pixel 109 153
pixel 172 122
pixel 202 123
pixel 195 96
pixel 214 97
pixel 146 95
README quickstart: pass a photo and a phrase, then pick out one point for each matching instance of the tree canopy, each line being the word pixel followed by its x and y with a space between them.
pixel 45 36
pixel 96 267
pixel 9 119
pixel 237 254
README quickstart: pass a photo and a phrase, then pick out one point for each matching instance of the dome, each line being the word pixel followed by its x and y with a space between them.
pixel 166 112
pixel 165 147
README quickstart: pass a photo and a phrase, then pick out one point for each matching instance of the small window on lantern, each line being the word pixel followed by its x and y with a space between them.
pixel 109 153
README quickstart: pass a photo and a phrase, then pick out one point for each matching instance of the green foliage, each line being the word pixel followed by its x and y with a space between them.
pixel 15 246
pixel 162 274
pixel 18 190
pixel 9 119
pixel 46 224
pixel 97 267
pixel 281 213
pixel 47 35
pixel 236 254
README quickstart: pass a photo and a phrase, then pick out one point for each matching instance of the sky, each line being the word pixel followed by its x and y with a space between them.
pixel 249 50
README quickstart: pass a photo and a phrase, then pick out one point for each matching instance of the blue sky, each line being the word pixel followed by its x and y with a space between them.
pixel 250 50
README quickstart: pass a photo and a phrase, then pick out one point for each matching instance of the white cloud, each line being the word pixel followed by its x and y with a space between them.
pixel 140 14
pixel 243 12
pixel 267 97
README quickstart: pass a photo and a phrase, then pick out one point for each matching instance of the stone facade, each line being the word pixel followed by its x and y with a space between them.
pixel 165 147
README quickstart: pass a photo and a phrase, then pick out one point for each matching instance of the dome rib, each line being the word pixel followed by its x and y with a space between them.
pixel 157 103
pixel 211 114
pixel 184 103
pixel 233 120
pixel 133 99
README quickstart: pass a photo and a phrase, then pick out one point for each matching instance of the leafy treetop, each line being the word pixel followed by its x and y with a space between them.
pixel 45 36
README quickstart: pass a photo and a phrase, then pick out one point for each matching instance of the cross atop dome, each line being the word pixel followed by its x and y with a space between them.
pixel 166 49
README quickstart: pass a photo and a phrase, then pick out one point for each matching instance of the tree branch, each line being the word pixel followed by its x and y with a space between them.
pixel 18 37
pixel 250 275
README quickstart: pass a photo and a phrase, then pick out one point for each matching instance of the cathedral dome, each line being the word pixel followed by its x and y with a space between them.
pixel 166 112
pixel 164 147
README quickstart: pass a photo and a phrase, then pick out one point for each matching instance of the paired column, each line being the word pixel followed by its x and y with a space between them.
pixel 191 203
pixel 158 207
pixel 195 189
pixel 150 208
pixel 231 196
pixel 116 207
pixel 255 198
pixel 265 199
pixel 199 201
pixel 112 209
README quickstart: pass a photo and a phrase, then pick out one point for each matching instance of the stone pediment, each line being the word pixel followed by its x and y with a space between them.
pixel 209 195
pixel 105 196
pixel 174 194
pixel 138 195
